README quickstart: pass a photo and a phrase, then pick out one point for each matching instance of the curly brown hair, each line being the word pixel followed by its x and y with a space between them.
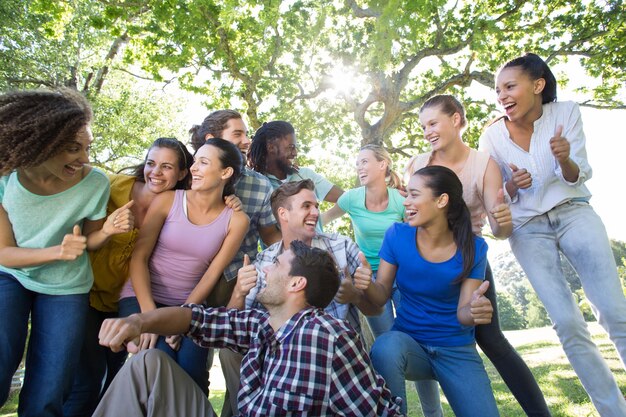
pixel 36 125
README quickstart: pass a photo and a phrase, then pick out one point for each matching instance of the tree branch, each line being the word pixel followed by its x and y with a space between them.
pixel 360 12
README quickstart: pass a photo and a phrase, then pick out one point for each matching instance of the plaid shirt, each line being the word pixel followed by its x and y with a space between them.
pixel 314 365
pixel 254 190
pixel 346 254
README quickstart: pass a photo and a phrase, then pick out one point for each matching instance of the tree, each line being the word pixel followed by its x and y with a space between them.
pixel 536 314
pixel 278 58
pixel 510 315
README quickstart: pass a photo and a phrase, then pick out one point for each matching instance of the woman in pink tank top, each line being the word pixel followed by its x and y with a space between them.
pixel 186 242
pixel 443 119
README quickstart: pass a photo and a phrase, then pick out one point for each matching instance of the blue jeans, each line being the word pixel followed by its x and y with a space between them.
pixel 504 357
pixel 190 356
pixel 383 322
pixel 397 357
pixel 576 230
pixel 97 367
pixel 57 330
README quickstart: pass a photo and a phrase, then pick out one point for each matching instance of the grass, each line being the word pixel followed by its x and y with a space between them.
pixel 562 389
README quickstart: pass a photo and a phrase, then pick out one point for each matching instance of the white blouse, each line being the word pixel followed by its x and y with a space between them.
pixel 549 188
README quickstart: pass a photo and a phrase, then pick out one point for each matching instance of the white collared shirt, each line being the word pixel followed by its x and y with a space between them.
pixel 549 188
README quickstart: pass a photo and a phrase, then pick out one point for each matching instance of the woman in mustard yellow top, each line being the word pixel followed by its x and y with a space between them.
pixel 166 167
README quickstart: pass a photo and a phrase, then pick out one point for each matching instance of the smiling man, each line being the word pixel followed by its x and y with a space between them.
pixel 296 208
pixel 299 360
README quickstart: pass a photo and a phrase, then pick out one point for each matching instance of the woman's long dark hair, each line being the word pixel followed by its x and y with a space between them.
pixel 441 180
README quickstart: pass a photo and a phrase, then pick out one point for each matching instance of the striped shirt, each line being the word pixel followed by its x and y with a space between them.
pixel 314 365
pixel 344 251
pixel 549 188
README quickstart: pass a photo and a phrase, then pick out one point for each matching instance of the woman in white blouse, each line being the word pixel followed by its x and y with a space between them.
pixel 540 147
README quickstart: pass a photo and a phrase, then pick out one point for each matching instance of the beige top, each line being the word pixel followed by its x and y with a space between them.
pixel 471 175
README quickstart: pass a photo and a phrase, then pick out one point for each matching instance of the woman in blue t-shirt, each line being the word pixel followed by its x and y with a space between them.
pixel 373 207
pixel 52 208
pixel 438 265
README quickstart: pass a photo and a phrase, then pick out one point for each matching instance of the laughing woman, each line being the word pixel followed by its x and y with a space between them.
pixel 540 147
pixel 52 208
pixel 186 241
pixel 438 265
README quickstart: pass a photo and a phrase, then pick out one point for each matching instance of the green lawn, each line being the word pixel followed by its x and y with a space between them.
pixel 563 391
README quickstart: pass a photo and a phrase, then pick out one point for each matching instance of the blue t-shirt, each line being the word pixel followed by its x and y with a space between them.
pixel 429 299
pixel 370 226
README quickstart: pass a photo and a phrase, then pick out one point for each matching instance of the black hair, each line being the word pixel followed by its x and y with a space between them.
pixel 185 160
pixel 230 156
pixel 441 180
pixel 214 124
pixel 319 269
pixel 536 68
pixel 267 133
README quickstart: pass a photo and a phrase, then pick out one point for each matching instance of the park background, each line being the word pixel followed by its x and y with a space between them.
pixel 344 73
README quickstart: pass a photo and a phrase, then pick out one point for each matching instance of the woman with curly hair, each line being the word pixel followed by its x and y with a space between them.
pixel 52 208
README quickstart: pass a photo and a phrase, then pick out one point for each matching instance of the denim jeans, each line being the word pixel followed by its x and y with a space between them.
pixel 397 357
pixel 57 330
pixel 383 322
pixel 97 367
pixel 577 231
pixel 504 357
pixel 190 356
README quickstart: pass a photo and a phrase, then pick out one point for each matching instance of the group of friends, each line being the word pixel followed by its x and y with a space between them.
pixel 163 261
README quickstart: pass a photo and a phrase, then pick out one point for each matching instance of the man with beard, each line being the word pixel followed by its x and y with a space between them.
pixel 295 207
pixel 272 153
pixel 298 360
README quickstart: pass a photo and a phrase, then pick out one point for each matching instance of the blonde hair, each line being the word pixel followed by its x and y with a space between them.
pixel 381 154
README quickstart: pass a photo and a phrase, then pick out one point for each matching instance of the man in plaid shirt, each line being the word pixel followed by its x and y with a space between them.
pixel 296 208
pixel 299 360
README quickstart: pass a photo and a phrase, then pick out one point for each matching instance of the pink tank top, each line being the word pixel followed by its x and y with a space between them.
pixel 182 254
pixel 472 176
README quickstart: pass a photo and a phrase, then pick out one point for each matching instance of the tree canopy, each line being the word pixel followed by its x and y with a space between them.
pixel 336 69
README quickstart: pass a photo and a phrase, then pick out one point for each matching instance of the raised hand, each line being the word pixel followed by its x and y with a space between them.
pixel 347 293
pixel 72 246
pixel 363 274
pixel 481 309
pixel 521 177
pixel 559 145
pixel 246 277
pixel 501 211
pixel 121 220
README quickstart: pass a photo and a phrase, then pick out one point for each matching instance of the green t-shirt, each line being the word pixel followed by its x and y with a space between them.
pixel 370 226
pixel 42 221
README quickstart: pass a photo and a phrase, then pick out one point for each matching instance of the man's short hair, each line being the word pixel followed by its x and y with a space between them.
pixel 280 196
pixel 319 269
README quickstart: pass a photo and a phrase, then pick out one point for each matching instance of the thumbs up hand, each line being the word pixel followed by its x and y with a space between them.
pixel 559 145
pixel 501 211
pixel 521 177
pixel 481 309
pixel 121 220
pixel 246 278
pixel 72 246
pixel 363 274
